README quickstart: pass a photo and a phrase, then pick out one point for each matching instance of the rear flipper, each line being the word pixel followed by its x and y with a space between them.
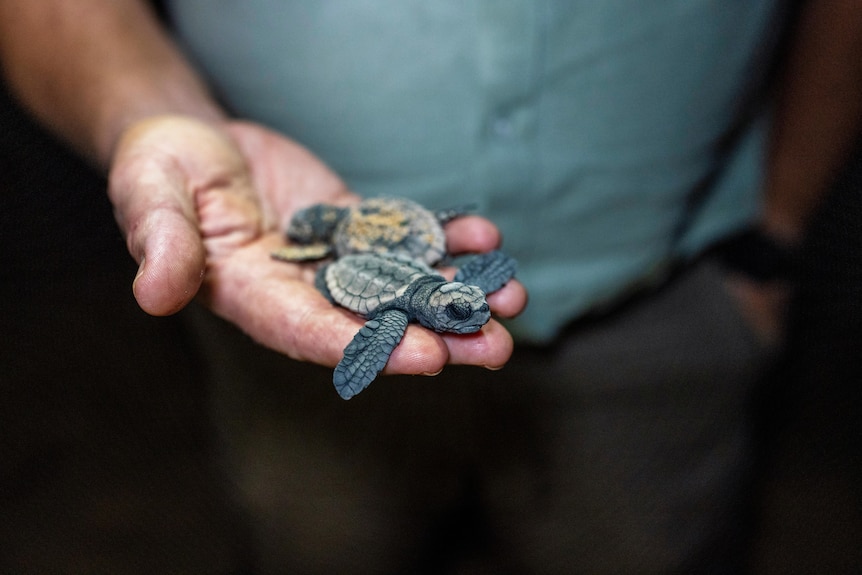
pixel 367 354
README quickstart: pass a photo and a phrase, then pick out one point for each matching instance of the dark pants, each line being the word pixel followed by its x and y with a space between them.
pixel 624 448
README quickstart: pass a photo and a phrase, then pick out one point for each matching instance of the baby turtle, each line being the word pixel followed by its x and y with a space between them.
pixel 375 225
pixel 391 291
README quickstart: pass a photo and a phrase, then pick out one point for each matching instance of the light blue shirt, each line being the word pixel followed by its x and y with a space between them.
pixel 606 138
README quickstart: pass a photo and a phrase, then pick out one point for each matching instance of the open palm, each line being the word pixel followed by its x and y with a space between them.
pixel 202 208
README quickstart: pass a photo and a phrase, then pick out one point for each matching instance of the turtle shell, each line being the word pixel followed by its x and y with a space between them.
pixel 391 225
pixel 363 282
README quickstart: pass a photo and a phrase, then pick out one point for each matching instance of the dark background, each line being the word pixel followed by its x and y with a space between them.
pixel 107 460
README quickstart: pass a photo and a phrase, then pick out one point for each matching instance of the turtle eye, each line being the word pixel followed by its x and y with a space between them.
pixel 458 311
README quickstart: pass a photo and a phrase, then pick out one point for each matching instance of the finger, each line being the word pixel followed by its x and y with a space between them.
pixel 471 234
pixel 421 352
pixel 491 347
pixel 172 265
pixel 161 233
pixel 509 301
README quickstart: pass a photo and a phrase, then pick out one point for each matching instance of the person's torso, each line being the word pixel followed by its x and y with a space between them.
pixel 593 133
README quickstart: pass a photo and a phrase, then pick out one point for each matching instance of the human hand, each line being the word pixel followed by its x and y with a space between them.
pixel 203 206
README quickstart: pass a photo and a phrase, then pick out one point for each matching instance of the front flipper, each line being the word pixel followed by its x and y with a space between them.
pixel 489 272
pixel 367 354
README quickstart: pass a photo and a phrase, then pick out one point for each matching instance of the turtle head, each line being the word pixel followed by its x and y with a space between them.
pixel 454 307
pixel 315 223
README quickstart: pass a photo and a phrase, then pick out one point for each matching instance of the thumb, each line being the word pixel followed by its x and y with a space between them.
pixel 172 261
pixel 158 216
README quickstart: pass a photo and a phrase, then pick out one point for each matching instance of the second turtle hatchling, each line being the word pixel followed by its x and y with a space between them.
pixel 375 225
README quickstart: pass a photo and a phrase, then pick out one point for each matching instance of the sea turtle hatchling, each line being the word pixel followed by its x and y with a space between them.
pixel 392 290
pixel 375 225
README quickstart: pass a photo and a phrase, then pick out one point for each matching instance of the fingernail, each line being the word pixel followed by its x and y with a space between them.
pixel 140 271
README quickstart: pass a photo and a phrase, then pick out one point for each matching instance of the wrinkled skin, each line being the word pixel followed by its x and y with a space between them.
pixel 203 206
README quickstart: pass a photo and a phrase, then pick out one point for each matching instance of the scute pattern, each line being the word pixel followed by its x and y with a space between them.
pixel 362 284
